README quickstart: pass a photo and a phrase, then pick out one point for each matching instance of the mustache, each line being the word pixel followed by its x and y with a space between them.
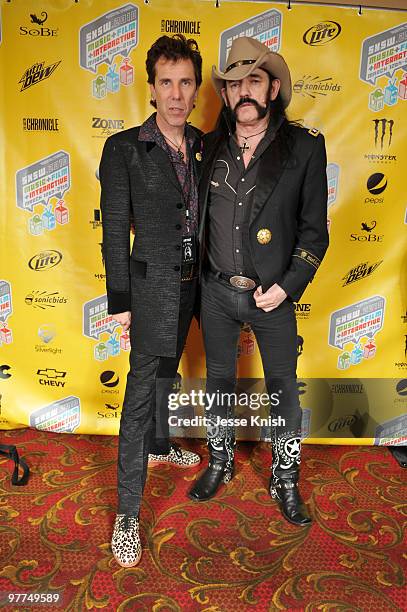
pixel 248 100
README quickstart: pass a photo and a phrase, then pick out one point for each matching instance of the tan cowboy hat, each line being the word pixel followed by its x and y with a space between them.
pixel 247 54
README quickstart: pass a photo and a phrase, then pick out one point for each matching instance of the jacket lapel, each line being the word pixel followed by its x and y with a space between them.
pixel 163 162
pixel 197 159
pixel 204 184
pixel 270 170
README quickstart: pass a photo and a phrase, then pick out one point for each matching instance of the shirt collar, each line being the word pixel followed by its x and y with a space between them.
pixel 149 132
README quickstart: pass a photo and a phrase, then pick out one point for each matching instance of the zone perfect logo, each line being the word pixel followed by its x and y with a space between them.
pixel 38 31
pixel 45 260
pixel 37 73
pixel 322 33
pixel 107 127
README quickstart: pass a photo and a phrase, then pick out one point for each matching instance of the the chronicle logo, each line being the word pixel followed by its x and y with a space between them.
pixel 45 260
pixel 314 86
pixel 322 33
pixel 40 124
pixel 367 227
pixel 43 300
pixel 106 127
pixel 37 73
pixel 176 26
pixel 51 377
pixel 38 31
pixel 360 271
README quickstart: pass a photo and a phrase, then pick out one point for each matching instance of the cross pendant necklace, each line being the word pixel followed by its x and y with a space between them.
pixel 245 146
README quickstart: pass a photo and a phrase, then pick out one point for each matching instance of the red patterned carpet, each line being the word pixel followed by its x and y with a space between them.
pixel 230 554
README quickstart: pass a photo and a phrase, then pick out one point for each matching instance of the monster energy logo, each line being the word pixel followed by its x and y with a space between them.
pixel 383 128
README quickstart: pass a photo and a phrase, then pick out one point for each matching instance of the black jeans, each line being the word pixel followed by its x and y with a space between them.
pixel 145 410
pixel 223 309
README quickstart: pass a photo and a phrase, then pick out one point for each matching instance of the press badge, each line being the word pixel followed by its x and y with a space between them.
pixel 188 249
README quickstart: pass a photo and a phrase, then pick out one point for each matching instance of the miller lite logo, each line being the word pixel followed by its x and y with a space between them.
pixel 322 33
pixel 45 260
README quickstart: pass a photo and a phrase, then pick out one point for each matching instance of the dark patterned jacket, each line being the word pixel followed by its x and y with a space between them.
pixel 138 181
pixel 290 200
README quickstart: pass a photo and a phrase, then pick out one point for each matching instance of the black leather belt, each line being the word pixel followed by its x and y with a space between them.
pixel 189 271
pixel 236 280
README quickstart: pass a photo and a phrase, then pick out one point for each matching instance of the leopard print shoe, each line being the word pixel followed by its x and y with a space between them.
pixel 126 545
pixel 177 456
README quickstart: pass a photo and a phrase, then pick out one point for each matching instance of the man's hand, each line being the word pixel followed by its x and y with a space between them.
pixel 271 299
pixel 124 318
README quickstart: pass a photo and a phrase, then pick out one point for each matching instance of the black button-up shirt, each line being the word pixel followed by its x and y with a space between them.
pixel 230 202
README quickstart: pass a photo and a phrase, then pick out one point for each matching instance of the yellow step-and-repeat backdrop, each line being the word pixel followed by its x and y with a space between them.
pixel 74 73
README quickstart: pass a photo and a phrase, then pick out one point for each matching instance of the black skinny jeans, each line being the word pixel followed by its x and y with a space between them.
pixel 144 418
pixel 223 309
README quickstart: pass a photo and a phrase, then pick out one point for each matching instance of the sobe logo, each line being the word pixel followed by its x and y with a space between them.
pixel 368 227
pixel 40 31
pixel 322 33
pixel 45 260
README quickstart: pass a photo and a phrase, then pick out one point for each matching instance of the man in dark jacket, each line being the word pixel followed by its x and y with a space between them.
pixel 149 174
pixel 264 196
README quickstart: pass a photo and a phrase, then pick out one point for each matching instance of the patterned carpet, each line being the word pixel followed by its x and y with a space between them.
pixel 230 554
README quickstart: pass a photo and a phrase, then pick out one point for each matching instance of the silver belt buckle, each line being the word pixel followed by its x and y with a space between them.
pixel 242 282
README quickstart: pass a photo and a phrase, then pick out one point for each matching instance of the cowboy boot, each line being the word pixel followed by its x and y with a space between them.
pixel 286 448
pixel 221 444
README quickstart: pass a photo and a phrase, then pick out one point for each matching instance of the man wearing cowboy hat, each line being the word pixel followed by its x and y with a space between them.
pixel 264 197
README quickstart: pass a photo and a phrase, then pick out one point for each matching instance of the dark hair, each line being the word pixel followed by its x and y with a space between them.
pixel 174 48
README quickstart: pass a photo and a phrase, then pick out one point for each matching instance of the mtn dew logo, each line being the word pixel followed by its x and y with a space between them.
pixel 383 65
pixel 104 47
pixel 266 28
